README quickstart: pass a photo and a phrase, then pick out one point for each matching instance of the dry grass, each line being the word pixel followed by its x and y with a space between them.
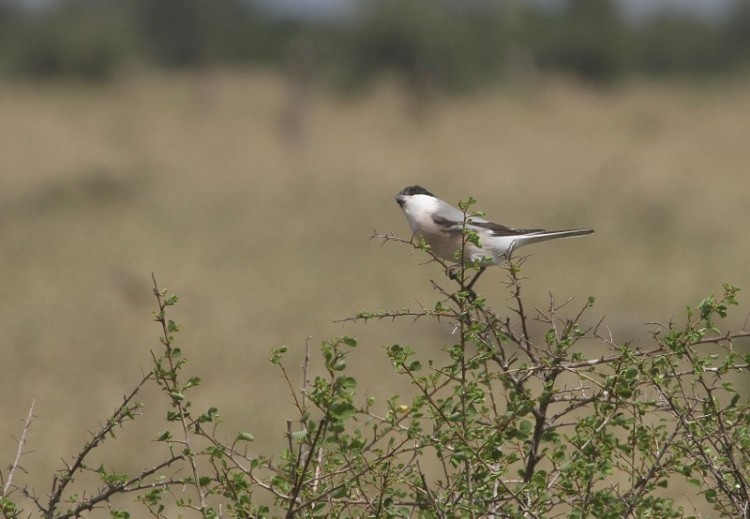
pixel 187 176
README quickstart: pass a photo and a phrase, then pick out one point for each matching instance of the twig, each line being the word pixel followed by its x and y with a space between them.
pixel 170 384
pixel 129 486
pixel 19 452
pixel 300 476
pixel 121 414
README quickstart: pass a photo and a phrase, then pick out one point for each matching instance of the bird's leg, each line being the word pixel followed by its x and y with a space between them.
pixel 452 272
pixel 475 278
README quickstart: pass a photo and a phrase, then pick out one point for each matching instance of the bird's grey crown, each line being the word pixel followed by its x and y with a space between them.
pixel 414 190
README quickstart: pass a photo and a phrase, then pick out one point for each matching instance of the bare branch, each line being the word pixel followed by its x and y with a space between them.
pixel 19 451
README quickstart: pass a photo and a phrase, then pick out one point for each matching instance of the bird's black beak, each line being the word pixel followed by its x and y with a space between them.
pixel 400 200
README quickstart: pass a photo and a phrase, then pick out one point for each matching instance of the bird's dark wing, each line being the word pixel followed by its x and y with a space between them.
pixel 496 229
pixel 447 224
pixel 501 230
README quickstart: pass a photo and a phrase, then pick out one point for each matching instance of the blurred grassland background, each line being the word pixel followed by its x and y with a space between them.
pixel 250 187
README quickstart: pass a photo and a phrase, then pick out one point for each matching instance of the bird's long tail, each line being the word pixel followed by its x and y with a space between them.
pixel 552 235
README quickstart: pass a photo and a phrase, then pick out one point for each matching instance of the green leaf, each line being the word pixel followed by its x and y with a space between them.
pixel 349 341
pixel 342 410
pixel 173 327
pixel 277 354
pixel 165 436
pixel 209 416
pixel 299 435
pixel 245 436
pixel 465 204
pixel 345 384
pixel 193 381
pixel 340 492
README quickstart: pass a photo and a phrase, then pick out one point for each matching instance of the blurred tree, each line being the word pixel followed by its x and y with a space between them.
pixel 91 39
pixel 588 38
pixel 179 33
pixel 429 45
pixel 738 33
pixel 8 16
pixel 678 44
pixel 80 38
pixel 8 13
pixel 449 46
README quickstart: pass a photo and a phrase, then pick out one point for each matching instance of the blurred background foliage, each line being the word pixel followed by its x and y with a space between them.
pixel 447 45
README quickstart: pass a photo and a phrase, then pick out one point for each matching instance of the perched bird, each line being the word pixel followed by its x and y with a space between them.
pixel 442 225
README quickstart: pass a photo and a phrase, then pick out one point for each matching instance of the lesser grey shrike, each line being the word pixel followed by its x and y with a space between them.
pixel 442 226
